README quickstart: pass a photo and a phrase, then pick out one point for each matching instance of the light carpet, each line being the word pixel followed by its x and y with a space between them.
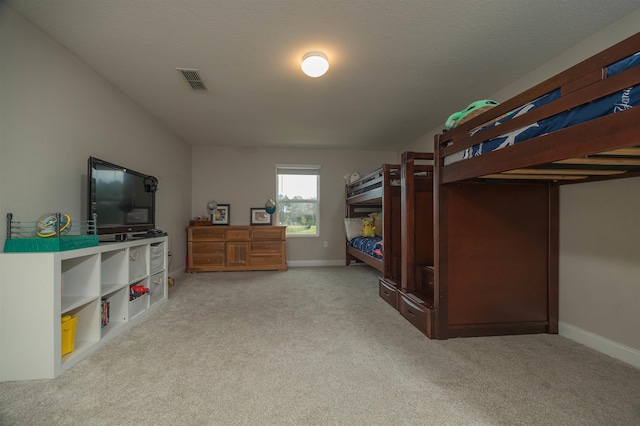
pixel 317 346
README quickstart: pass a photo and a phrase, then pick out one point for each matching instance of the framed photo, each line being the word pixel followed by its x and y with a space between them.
pixel 259 216
pixel 221 215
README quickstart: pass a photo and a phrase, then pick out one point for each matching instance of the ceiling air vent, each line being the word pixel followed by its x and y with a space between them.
pixel 192 78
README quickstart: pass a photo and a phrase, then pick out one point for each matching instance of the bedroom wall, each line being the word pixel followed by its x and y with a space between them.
pixel 56 112
pixel 600 260
pixel 245 178
pixel 599 231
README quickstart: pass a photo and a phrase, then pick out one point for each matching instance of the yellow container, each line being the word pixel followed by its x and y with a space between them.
pixel 68 333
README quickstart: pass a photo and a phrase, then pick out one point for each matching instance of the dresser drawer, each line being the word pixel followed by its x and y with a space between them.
pixel 271 260
pixel 206 247
pixel 268 234
pixel 207 233
pixel 266 247
pixel 419 315
pixel 237 234
pixel 208 259
pixel 388 292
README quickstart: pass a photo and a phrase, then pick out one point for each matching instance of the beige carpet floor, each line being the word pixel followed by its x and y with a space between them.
pixel 317 346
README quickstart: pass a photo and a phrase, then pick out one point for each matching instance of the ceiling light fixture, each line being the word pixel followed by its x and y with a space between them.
pixel 315 64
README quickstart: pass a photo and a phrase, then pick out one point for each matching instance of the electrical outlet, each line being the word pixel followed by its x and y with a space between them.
pixel 326 244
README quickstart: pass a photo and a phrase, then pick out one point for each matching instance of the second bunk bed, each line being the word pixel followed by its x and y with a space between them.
pixel 404 195
pixel 375 197
pixel 382 195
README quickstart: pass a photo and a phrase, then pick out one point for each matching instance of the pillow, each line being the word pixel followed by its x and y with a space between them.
pixel 378 225
pixel 353 227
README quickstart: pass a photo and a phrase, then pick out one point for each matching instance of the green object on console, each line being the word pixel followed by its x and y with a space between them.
pixel 65 242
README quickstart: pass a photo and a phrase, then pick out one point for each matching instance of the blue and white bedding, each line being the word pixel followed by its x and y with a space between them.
pixel 368 245
pixel 615 102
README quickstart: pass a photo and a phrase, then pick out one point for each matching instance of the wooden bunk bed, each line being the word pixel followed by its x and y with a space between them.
pixel 385 190
pixel 496 216
pixel 377 191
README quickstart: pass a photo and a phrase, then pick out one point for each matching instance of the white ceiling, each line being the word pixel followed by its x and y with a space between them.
pixel 398 68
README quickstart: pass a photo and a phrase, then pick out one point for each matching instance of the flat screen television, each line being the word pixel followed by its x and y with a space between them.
pixel 123 200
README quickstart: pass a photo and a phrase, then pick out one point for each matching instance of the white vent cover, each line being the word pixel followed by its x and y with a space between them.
pixel 192 78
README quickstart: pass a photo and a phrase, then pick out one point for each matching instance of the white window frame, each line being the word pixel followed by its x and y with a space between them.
pixel 300 169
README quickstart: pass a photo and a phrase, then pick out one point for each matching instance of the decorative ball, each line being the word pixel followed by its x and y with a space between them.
pixel 270 206
pixel 46 225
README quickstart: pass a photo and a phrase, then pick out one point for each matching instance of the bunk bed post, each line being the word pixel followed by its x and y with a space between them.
pixel 408 221
pixel 386 230
pixel 440 256
pixel 347 214
pixel 554 257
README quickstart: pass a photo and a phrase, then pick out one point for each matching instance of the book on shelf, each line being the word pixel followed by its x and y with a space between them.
pixel 104 313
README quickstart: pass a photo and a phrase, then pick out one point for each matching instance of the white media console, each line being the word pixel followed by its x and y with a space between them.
pixel 37 289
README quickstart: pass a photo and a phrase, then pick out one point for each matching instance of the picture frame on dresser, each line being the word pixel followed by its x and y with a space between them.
pixel 221 215
pixel 260 216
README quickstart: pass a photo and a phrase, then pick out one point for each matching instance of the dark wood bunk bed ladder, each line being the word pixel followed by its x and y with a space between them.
pixel 416 293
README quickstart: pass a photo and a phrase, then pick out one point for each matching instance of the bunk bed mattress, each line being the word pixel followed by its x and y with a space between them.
pixel 615 102
pixel 368 245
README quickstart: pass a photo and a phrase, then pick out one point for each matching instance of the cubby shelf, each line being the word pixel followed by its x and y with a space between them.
pixel 36 289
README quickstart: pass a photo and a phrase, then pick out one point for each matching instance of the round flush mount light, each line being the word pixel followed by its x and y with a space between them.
pixel 315 64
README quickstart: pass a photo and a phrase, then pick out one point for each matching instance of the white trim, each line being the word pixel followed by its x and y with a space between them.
pixel 304 263
pixel 601 344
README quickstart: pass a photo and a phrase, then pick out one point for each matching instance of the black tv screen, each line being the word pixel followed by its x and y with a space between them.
pixel 122 199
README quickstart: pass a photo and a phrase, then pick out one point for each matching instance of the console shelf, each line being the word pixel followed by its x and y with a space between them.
pixel 36 289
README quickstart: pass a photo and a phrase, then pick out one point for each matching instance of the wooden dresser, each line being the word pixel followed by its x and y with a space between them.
pixel 236 248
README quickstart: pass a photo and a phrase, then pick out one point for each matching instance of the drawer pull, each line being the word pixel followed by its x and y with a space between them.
pixel 410 313
pixel 134 256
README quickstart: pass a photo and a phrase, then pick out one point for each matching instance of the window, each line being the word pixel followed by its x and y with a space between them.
pixel 298 199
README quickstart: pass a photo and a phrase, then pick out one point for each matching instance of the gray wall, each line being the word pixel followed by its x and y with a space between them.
pixel 245 178
pixel 56 112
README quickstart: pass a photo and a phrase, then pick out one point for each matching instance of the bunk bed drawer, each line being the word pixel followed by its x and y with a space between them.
pixel 389 292
pixel 421 316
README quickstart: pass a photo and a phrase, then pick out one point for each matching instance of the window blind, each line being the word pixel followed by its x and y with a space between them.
pixel 298 170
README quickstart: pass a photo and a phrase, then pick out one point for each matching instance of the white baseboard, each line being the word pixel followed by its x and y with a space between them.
pixel 601 344
pixel 303 263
